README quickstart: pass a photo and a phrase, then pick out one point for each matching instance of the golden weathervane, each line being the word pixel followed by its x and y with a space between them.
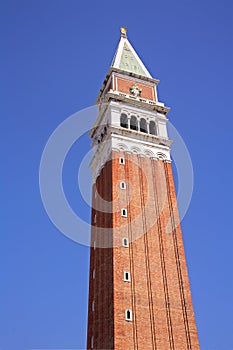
pixel 123 30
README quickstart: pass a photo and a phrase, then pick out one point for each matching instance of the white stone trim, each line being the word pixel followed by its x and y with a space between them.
pixel 128 145
pixel 133 98
pixel 113 81
pixel 101 155
pixel 120 142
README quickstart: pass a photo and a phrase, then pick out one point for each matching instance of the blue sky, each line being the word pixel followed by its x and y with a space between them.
pixel 54 57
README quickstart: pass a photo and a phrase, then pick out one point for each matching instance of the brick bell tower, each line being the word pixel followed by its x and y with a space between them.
pixel 139 292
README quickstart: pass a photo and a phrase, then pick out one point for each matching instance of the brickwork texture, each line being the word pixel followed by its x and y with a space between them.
pixel 158 293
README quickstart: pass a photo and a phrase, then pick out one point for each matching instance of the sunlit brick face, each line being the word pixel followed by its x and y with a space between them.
pixel 123 85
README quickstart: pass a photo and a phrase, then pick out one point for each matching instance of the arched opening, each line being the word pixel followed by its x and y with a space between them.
pixel 126 276
pixel 152 128
pixel 122 185
pixel 143 126
pixel 133 123
pixel 128 315
pixel 124 121
pixel 125 242
pixel 124 212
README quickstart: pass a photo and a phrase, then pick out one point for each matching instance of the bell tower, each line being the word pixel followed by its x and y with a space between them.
pixel 139 292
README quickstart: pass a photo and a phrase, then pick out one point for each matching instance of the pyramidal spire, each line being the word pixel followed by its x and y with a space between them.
pixel 126 57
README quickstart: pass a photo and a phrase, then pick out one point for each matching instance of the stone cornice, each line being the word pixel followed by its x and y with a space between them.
pixel 140 136
pixel 116 142
pixel 136 101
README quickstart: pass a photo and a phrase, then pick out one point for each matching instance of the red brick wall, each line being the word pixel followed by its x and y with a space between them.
pixel 159 292
pixel 100 321
pixel 123 85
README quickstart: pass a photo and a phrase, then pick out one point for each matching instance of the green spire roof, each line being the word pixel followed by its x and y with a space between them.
pixel 127 59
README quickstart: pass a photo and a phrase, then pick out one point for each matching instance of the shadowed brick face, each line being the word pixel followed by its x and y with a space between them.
pixel 158 292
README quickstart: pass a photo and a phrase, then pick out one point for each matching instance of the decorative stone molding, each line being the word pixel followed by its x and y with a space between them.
pixel 102 154
pixel 135 149
pixel 119 143
pixel 142 155
pixel 136 101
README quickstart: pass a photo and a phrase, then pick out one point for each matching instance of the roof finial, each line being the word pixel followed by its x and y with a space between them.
pixel 123 31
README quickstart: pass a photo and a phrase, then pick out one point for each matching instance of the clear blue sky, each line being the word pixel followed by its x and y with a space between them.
pixel 54 57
